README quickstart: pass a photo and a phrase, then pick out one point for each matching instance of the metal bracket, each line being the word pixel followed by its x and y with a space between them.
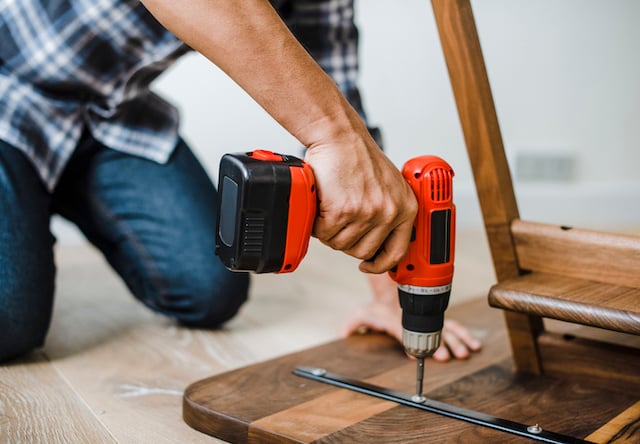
pixel 528 431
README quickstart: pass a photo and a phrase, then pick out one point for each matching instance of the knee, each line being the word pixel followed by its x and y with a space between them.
pixel 24 326
pixel 202 298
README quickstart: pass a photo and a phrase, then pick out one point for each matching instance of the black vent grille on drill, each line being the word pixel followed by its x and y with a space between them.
pixel 441 181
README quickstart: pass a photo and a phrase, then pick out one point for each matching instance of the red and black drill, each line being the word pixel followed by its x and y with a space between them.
pixel 266 210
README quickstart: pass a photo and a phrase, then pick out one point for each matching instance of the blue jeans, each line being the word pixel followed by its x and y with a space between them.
pixel 155 225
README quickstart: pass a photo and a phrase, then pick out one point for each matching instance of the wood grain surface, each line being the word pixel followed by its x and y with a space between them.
pixel 479 121
pixel 610 366
pixel 554 404
pixel 517 246
pixel 265 402
pixel 249 394
pixel 621 429
pixel 485 148
pixel 38 406
pixel 578 253
pixel 569 299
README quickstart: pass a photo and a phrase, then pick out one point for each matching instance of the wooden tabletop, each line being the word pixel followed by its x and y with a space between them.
pixel 267 403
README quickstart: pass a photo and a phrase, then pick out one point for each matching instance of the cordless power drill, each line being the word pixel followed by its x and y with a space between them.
pixel 424 275
pixel 266 210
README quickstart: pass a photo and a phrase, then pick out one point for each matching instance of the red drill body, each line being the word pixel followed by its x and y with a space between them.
pixel 425 274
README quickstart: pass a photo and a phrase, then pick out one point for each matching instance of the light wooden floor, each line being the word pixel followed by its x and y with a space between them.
pixel 112 371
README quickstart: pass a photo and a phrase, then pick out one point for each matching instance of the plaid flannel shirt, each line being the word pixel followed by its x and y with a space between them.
pixel 72 65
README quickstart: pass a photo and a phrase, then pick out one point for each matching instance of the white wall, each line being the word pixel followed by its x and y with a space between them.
pixel 565 76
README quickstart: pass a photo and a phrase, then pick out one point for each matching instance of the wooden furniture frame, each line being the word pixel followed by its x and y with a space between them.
pixel 543 271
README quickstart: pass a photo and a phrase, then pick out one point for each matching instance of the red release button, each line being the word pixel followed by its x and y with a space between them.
pixel 266 155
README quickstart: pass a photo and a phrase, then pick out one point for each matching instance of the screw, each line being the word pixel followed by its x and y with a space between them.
pixel 535 429
pixel 318 372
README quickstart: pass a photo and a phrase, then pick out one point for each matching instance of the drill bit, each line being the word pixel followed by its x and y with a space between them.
pixel 419 378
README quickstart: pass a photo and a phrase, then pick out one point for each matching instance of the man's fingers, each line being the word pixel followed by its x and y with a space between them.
pixel 455 345
pixel 353 239
pixel 457 340
pixel 375 317
pixel 463 334
pixel 379 250
pixel 442 354
pixel 358 234
pixel 393 249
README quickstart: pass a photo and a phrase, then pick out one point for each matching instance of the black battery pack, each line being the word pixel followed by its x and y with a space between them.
pixel 253 206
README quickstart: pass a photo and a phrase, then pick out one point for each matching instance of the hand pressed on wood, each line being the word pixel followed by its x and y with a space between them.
pixel 384 314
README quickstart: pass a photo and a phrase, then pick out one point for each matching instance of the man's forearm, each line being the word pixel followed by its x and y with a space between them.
pixel 366 207
pixel 248 41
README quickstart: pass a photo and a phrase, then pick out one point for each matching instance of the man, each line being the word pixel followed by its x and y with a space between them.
pixel 81 135
pixel 328 31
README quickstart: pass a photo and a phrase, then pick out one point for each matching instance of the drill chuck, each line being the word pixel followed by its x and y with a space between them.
pixel 420 345
pixel 423 317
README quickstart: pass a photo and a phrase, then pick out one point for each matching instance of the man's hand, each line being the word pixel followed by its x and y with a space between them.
pixel 384 315
pixel 366 208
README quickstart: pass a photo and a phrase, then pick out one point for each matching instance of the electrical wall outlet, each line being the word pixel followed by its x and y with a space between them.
pixel 545 166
